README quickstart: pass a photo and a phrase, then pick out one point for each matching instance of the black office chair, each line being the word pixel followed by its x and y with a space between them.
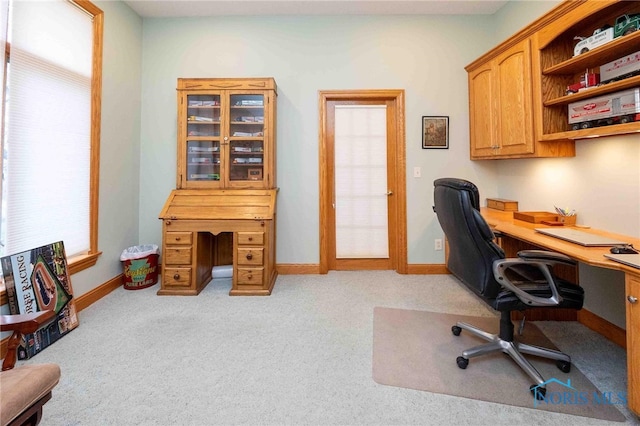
pixel 504 284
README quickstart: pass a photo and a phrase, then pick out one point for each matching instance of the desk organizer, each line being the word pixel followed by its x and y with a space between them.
pixel 546 218
pixel 567 220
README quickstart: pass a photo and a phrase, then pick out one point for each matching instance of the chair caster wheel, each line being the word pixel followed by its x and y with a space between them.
pixel 564 366
pixel 538 392
pixel 462 362
pixel 456 330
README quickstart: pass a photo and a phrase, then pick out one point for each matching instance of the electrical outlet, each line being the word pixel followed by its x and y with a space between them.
pixel 438 244
pixel 417 172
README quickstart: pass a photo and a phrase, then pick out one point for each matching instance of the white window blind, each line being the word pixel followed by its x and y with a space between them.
pixel 47 128
pixel 4 23
pixel 361 181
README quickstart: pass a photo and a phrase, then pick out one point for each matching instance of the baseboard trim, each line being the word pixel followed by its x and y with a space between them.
pixel 311 268
pixel 89 298
pixel 601 326
pixel 297 268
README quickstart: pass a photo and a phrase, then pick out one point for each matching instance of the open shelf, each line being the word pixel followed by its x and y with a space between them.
pixel 559 68
pixel 613 130
pixel 611 51
pixel 615 86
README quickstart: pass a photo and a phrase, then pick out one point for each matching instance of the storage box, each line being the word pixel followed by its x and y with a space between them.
pixel 536 217
pixel 502 204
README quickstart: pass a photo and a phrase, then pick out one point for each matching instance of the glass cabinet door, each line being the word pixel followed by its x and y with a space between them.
pixel 203 160
pixel 203 138
pixel 246 137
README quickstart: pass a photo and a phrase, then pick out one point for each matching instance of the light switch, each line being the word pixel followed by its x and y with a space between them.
pixel 417 172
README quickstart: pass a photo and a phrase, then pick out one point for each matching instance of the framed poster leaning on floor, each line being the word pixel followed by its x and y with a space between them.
pixel 38 280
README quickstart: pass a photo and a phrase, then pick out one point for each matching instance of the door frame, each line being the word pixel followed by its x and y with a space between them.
pixel 398 250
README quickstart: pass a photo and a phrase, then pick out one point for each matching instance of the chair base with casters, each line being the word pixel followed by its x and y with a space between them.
pixel 504 342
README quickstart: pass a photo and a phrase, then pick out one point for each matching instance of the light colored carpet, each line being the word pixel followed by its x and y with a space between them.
pixel 299 356
pixel 416 350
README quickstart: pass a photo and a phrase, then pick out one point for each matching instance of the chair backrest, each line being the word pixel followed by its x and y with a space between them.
pixel 472 249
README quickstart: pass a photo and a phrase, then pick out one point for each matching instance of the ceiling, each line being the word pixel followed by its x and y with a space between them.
pixel 181 8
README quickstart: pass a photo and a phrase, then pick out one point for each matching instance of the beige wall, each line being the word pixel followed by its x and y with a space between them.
pixel 424 55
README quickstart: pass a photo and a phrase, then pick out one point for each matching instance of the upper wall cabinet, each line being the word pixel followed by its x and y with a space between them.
pixel 500 105
pixel 226 133
pixel 518 91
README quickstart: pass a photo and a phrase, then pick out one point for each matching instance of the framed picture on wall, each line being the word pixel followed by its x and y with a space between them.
pixel 435 132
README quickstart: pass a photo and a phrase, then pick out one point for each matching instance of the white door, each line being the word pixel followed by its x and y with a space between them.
pixel 361 191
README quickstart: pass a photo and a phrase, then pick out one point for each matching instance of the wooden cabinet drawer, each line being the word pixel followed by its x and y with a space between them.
pixel 178 238
pixel 177 256
pixel 179 277
pixel 247 276
pixel 250 256
pixel 251 238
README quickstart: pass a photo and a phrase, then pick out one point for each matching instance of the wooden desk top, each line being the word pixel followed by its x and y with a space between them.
pixel 504 223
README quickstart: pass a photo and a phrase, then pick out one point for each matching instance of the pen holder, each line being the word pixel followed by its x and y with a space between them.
pixel 567 220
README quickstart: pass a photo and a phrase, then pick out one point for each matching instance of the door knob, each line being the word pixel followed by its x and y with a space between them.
pixel 389 192
pixel 632 299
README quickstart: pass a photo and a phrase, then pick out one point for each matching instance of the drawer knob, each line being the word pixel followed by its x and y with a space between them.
pixel 632 299
pixel 176 277
pixel 249 277
pixel 167 222
pixel 177 238
pixel 249 256
pixel 250 238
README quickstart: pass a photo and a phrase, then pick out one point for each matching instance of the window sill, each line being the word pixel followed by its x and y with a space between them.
pixel 75 264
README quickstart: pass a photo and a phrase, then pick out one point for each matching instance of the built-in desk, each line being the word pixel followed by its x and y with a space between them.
pixel 504 223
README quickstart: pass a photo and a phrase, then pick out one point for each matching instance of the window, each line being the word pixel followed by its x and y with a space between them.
pixel 51 127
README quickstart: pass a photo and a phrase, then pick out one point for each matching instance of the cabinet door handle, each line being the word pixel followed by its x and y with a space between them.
pixel 176 277
pixel 249 256
pixel 632 299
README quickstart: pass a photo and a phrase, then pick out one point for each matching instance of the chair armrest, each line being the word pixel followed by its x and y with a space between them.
pixel 501 266
pixel 546 256
pixel 26 323
pixel 20 325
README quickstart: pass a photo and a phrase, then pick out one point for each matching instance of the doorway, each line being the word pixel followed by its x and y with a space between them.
pixel 338 248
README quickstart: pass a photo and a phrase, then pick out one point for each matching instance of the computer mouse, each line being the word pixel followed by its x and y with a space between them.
pixel 623 250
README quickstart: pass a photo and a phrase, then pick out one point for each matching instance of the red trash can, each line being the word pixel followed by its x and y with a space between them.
pixel 140 266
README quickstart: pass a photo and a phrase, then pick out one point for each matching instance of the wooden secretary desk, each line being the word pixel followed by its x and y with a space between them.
pixel 223 209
